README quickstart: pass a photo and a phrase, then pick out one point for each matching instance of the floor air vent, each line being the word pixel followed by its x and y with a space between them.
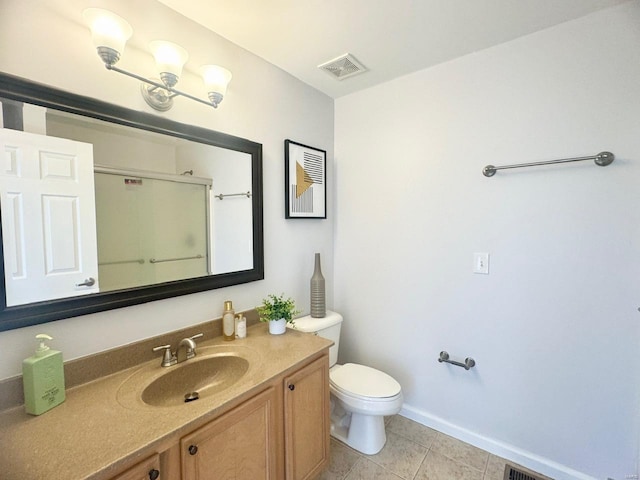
pixel 513 473
pixel 343 67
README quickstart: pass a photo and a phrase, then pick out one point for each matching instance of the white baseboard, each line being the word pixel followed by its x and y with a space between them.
pixel 509 452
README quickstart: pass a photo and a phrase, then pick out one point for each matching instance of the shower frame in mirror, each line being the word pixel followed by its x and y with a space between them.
pixel 21 90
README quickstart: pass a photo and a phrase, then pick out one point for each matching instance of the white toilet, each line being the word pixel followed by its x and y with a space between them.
pixel 360 396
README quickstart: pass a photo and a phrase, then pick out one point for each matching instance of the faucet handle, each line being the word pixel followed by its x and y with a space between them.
pixel 199 335
pixel 168 358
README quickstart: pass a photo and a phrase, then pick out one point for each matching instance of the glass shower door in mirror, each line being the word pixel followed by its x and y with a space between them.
pixel 150 230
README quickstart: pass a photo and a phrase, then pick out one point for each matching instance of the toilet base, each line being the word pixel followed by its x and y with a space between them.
pixel 364 433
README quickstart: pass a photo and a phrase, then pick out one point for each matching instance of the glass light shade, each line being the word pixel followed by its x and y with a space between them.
pixel 215 78
pixel 107 29
pixel 170 58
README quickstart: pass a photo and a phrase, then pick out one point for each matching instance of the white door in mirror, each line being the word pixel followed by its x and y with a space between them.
pixel 49 180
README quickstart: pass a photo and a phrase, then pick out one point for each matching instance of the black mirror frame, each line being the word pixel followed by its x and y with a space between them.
pixel 21 90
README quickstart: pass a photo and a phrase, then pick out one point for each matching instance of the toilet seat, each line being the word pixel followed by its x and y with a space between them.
pixel 365 383
pixel 361 397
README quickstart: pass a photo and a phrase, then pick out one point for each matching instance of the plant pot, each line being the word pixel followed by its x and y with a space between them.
pixel 277 327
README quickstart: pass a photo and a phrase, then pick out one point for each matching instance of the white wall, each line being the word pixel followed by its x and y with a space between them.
pixel 554 328
pixel 113 148
pixel 231 221
pixel 46 41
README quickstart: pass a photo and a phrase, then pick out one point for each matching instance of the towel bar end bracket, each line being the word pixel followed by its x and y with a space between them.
pixel 604 158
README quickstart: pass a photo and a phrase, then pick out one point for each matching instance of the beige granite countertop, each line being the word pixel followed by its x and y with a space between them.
pixel 92 435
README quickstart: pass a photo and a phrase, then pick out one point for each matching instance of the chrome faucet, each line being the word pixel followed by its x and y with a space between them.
pixel 188 346
pixel 186 350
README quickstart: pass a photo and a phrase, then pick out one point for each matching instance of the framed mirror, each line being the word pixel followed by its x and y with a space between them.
pixel 224 248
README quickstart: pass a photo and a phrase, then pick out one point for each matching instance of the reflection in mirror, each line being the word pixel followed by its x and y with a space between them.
pixel 167 208
pixel 210 235
pixel 150 230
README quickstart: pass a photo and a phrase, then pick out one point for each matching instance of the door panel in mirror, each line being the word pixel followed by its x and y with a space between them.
pixel 48 213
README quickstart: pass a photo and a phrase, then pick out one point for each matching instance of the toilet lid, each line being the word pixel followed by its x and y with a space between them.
pixel 364 381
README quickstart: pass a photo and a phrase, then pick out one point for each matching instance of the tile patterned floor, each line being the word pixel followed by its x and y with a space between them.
pixel 414 452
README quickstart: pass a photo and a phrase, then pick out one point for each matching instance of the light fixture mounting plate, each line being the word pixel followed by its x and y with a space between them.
pixel 157 98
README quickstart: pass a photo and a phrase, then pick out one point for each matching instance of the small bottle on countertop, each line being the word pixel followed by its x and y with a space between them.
pixel 228 321
pixel 43 378
pixel 241 326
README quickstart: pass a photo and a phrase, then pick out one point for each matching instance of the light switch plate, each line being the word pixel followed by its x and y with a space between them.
pixel 481 263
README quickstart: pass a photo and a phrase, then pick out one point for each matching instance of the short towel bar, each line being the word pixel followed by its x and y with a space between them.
pixel 468 362
pixel 155 260
pixel 120 262
pixel 222 196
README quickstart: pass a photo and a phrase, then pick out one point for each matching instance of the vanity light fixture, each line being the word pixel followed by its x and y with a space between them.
pixel 110 34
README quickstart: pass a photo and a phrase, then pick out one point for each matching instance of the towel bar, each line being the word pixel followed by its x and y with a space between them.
pixel 468 362
pixel 602 159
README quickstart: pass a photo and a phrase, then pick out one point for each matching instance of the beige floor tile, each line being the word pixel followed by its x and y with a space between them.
pixel 405 457
pixel 460 451
pixel 400 456
pixel 439 467
pixel 365 469
pixel 495 468
pixel 341 462
pixel 411 430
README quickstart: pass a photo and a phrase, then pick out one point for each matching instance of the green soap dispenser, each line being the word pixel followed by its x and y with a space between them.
pixel 43 378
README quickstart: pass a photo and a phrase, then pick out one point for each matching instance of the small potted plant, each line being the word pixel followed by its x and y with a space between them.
pixel 278 311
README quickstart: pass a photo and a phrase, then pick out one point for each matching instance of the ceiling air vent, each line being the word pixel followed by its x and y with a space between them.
pixel 513 473
pixel 343 67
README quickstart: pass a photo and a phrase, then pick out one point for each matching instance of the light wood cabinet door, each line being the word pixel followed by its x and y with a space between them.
pixel 306 417
pixel 149 469
pixel 240 445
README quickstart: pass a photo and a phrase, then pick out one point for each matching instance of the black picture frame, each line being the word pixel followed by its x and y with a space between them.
pixel 305 181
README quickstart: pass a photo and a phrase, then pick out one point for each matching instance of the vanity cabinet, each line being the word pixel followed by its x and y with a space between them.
pixel 148 469
pixel 272 424
pixel 306 420
pixel 280 433
pixel 290 417
pixel 240 445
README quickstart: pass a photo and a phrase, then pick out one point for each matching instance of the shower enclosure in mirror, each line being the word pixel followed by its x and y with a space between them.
pixel 150 209
pixel 150 230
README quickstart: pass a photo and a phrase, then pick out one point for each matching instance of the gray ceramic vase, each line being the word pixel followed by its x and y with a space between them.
pixel 318 297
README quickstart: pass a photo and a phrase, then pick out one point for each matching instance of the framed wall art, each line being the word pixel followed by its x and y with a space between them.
pixel 305 180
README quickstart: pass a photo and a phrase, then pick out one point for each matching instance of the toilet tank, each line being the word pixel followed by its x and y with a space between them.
pixel 326 327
